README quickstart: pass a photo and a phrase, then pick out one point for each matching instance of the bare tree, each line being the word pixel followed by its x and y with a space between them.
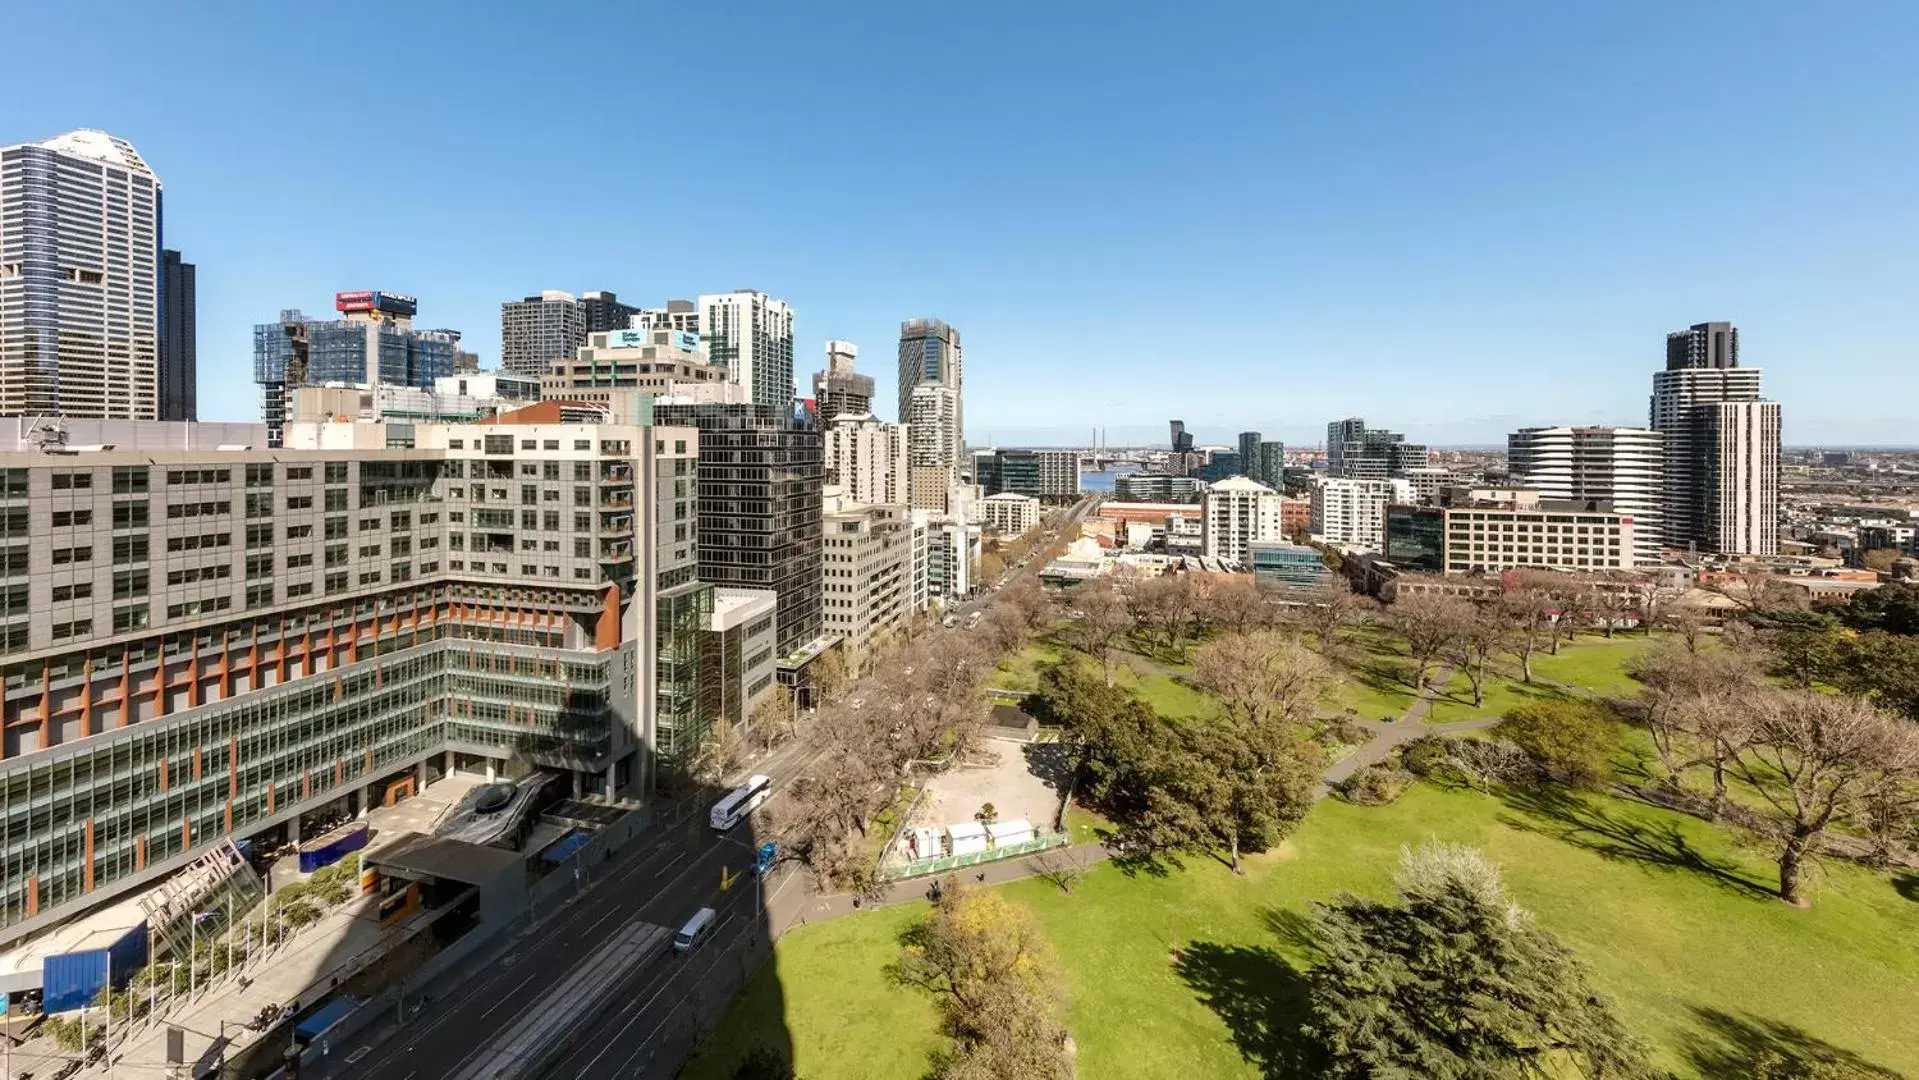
pixel 1263 677
pixel 1812 756
pixel 775 718
pixel 1325 611
pixel 1527 607
pixel 831 672
pixel 1102 621
pixel 1689 624
pixel 1695 709
pixel 719 753
pixel 1425 622
pixel 1238 603
pixel 1027 602
pixel 1475 634
pixel 1165 604
pixel 1064 867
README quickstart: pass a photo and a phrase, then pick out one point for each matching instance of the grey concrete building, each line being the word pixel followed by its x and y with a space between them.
pixel 540 331
pixel 839 390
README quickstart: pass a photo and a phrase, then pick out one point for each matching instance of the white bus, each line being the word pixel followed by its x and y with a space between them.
pixel 741 801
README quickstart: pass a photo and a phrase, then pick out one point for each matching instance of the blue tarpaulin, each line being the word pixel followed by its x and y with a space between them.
pixel 564 848
pixel 325 1018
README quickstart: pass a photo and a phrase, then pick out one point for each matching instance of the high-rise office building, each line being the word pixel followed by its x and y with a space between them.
pixel 1236 512
pixel 373 343
pixel 1182 441
pixel 839 389
pixel 602 311
pixel 203 644
pixel 931 355
pixel 750 334
pixel 1358 452
pixel 1619 468
pixel 79 279
pixel 1272 464
pixel 758 523
pixel 179 340
pixel 1249 459
pixel 540 331
pixel 1721 445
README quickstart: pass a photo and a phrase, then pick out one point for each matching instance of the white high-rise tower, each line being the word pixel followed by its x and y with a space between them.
pixel 1622 467
pixel 79 279
pixel 1722 445
pixel 751 335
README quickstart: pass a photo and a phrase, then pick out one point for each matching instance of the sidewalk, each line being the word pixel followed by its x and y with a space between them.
pixel 305 970
pixel 1389 737
pixel 783 913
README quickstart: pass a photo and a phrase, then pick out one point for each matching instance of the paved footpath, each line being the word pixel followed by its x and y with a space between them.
pixel 1389 737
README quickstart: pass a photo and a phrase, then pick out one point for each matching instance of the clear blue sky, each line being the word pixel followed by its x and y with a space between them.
pixel 1452 218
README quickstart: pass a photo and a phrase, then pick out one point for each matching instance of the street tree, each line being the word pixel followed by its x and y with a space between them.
pixel 721 751
pixel 776 717
pixel 1453 979
pixel 1811 758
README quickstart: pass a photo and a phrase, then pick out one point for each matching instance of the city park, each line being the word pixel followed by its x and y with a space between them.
pixel 1178 963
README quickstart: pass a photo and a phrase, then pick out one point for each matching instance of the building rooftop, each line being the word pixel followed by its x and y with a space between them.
pixel 1239 483
pixel 99 146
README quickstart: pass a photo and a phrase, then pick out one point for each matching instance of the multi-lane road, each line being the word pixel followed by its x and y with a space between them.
pixel 643 1024
pixel 573 992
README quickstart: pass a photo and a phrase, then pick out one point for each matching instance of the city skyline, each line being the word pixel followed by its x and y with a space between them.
pixel 1587 227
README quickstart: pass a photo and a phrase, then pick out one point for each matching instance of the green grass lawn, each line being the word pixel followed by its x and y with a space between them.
pixel 1674 918
pixel 1595 664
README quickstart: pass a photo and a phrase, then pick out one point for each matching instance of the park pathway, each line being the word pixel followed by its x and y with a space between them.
pixel 1388 737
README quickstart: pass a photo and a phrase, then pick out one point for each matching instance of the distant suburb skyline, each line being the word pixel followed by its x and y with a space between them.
pixel 1454 220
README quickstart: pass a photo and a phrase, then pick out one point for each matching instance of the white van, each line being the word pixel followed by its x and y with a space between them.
pixel 695 930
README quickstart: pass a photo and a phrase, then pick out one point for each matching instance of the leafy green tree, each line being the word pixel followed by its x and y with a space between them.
pixel 1893 607
pixel 1573 739
pixel 1452 980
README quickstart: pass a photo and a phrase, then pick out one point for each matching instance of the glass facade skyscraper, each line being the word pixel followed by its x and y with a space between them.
pixel 373 343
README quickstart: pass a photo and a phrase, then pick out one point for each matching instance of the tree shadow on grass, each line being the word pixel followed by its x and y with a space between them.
pixel 1262 999
pixel 1907 885
pixel 1551 810
pixel 1743 1045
